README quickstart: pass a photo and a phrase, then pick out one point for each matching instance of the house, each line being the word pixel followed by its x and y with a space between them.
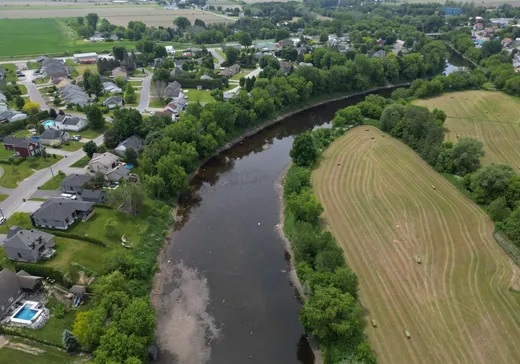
pixel 98 37
pixel 73 94
pixel 172 109
pixel 23 147
pixel 305 64
pixel 103 162
pixel 380 42
pixel 379 54
pixel 506 42
pixel 2 73
pixel 173 90
pixel 3 107
pixel 170 49
pixel 72 123
pixel 14 286
pixel 112 88
pixel 54 137
pixel 28 245
pixel 3 98
pixel 228 95
pixel 479 26
pixel 206 77
pixel 286 67
pixel 86 58
pixel 61 213
pixel 96 196
pixel 120 72
pixel 176 72
pixel 113 101
pixel 74 183
pixel 135 142
pixel 9 116
pixel 117 174
pixel 78 290
pixel 286 43
pixel 230 71
pixel 55 69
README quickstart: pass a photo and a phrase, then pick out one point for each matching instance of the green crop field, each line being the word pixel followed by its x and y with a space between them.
pixel 381 206
pixel 492 117
pixel 33 37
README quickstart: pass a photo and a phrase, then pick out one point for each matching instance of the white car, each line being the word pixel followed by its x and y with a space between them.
pixel 68 196
pixel 2 220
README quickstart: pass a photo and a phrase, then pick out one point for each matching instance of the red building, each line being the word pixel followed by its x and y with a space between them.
pixel 23 147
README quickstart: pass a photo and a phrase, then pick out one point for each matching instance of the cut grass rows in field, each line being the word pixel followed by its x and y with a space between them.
pixel 381 207
pixel 492 117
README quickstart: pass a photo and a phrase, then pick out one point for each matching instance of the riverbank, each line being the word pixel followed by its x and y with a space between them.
pixel 293 277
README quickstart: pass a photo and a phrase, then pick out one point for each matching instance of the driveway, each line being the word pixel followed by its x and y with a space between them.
pixel 30 206
pixel 32 90
pixel 29 186
pixel 46 194
pixel 254 73
pixel 144 100
pixel 215 54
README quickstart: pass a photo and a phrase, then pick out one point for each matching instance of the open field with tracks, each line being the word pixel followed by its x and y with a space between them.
pixel 384 212
pixel 492 117
pixel 119 15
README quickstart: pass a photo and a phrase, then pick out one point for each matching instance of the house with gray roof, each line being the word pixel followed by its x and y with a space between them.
pixel 54 137
pixel 113 101
pixel 23 147
pixel 9 116
pixel 103 162
pixel 135 142
pixel 72 123
pixel 28 245
pixel 2 73
pixel 230 71
pixel 206 77
pixel 73 94
pixel 61 213
pixel 96 196
pixel 55 69
pixel 117 174
pixel 13 288
pixel 74 182
pixel 174 89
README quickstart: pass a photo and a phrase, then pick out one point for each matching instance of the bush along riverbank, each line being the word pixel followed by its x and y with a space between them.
pixel 331 309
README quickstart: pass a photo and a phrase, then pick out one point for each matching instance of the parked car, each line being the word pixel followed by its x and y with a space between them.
pixel 2 220
pixel 68 196
pixel 76 138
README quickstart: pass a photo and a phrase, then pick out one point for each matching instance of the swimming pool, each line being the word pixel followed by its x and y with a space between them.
pixel 49 123
pixel 27 313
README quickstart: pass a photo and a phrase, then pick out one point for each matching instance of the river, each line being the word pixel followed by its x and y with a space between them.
pixel 226 297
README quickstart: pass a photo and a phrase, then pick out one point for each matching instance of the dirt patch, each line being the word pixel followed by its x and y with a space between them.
pixel 185 328
pixel 3 341
pixel 515 279
pixel 25 348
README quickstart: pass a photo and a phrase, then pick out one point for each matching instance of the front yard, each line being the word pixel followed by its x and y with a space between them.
pixel 70 146
pixel 15 174
pixel 53 183
pixel 91 133
pixel 10 72
pixel 83 162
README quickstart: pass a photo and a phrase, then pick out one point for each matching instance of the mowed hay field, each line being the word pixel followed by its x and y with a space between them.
pixel 119 15
pixel 381 207
pixel 492 117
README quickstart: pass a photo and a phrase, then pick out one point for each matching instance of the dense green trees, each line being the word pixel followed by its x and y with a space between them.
pixel 303 152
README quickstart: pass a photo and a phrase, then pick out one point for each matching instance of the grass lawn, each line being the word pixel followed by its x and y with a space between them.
pixel 222 53
pixel 33 65
pixel 155 102
pixel 386 207
pixel 239 75
pixel 489 116
pixel 12 354
pixel 22 88
pixel 136 83
pixel 3 196
pixel 42 80
pixel 20 219
pixel 83 162
pixel 93 134
pixel 23 133
pixel 10 69
pixel 133 227
pixel 5 153
pixel 70 146
pixel 41 199
pixel 53 183
pixel 76 251
pixel 194 95
pixel 14 174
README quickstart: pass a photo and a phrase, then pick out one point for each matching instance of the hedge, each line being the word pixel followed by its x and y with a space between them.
pixel 14 161
pixel 42 271
pixel 191 83
pixel 88 239
pixel 14 332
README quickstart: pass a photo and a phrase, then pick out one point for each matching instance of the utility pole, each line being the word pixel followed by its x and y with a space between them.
pixel 52 172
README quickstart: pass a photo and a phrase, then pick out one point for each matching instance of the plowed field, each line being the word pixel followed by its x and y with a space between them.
pixel 381 205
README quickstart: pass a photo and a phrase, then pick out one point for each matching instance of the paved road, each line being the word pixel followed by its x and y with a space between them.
pixel 32 90
pixel 215 54
pixel 254 73
pixel 144 100
pixel 46 194
pixel 29 186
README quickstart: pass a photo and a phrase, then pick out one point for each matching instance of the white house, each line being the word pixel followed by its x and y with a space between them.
pixel 170 49
pixel 85 57
pixel 72 123
pixel 112 88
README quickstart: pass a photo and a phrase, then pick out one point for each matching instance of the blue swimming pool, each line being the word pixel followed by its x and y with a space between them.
pixel 26 313
pixel 49 123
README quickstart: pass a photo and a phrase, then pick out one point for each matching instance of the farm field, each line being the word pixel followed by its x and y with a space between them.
pixel 121 15
pixel 492 117
pixel 33 37
pixel 380 205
